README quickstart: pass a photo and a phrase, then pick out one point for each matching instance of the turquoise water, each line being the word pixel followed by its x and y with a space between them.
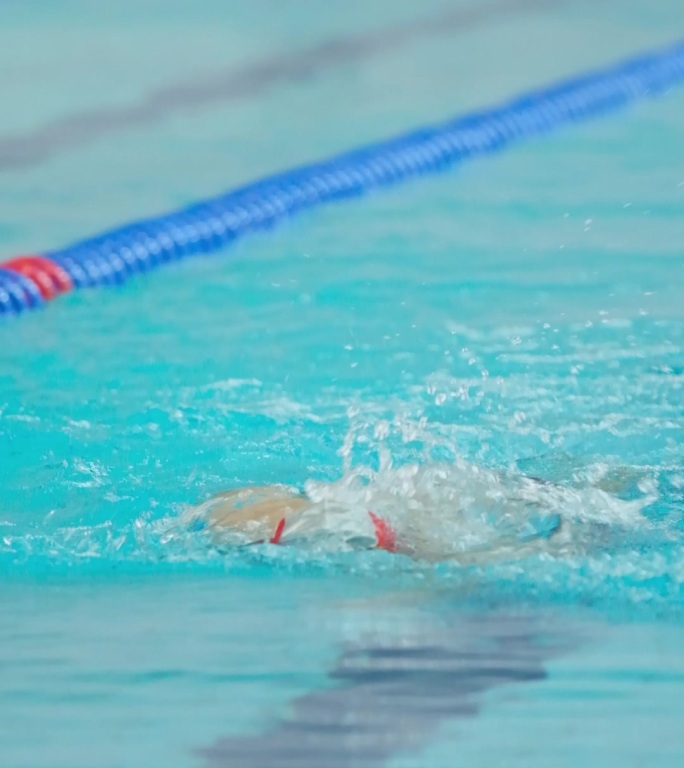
pixel 522 313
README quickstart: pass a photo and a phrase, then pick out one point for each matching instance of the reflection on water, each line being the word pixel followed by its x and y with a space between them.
pixel 390 697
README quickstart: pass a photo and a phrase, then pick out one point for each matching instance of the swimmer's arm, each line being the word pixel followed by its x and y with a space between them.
pixel 564 469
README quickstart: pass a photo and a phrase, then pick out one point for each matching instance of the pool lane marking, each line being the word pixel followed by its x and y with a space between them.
pixel 210 225
pixel 30 148
pixel 390 695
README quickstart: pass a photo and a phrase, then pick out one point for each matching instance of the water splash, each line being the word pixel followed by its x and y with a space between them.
pixel 550 525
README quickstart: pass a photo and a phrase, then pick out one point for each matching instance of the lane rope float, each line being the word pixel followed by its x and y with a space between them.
pixel 111 258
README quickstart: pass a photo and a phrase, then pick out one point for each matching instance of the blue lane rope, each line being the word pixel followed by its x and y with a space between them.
pixel 112 257
pixel 17 292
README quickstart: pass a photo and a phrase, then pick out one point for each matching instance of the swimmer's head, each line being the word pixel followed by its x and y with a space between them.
pixel 254 514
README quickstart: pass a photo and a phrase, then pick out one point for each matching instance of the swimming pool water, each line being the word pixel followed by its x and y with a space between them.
pixel 521 312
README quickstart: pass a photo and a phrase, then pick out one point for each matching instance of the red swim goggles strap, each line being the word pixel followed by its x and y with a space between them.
pixel 387 538
pixel 278 533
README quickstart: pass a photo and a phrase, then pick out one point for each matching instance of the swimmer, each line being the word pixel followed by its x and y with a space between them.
pixel 278 514
pixel 461 512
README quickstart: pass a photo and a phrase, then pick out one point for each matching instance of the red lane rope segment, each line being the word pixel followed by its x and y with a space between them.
pixel 50 278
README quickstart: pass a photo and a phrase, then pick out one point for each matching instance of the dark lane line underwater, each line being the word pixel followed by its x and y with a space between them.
pixel 390 698
pixel 34 147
